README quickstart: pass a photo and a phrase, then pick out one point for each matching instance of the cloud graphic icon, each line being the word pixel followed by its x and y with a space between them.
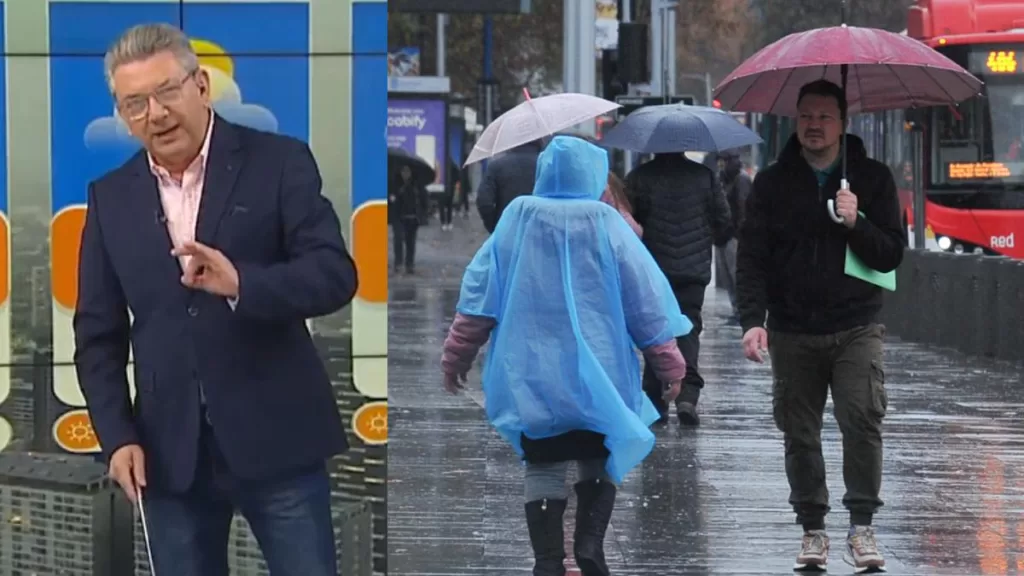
pixel 225 94
pixel 248 115
pixel 107 131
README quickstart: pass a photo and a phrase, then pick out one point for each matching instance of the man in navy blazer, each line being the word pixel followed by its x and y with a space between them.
pixel 217 240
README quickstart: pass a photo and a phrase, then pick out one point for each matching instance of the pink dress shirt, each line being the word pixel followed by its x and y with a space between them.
pixel 181 198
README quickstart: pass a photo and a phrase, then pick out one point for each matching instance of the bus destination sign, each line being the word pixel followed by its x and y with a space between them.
pixel 984 170
pixel 996 62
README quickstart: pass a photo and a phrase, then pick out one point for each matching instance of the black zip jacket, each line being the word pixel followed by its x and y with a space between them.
pixel 683 211
pixel 792 256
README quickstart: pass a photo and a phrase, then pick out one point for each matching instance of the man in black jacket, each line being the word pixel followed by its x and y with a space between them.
pixel 508 176
pixel 683 212
pixel 822 324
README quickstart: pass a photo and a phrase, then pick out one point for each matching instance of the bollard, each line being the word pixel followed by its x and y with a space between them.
pixel 914 289
pixel 981 302
pixel 928 301
pixel 894 303
pixel 966 287
pixel 1009 284
pixel 947 316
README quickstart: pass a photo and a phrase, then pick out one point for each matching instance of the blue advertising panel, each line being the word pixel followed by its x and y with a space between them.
pixel 418 127
pixel 88 138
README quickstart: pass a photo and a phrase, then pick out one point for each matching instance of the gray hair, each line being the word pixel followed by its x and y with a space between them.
pixel 145 41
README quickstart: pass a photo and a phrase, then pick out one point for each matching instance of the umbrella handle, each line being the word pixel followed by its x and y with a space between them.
pixel 832 205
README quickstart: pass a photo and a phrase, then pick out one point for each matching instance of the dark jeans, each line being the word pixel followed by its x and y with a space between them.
pixel 691 303
pixel 290 517
pixel 804 368
pixel 405 241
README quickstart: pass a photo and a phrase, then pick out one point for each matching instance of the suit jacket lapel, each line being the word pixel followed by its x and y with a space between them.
pixel 222 169
pixel 151 218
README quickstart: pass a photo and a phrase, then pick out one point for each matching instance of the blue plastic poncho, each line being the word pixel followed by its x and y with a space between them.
pixel 572 290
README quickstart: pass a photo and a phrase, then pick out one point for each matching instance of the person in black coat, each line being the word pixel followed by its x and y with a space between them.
pixel 683 212
pixel 408 207
pixel 508 176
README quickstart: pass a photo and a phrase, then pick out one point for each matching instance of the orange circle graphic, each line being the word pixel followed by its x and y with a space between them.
pixel 5 259
pixel 370 423
pixel 370 251
pixel 65 243
pixel 73 432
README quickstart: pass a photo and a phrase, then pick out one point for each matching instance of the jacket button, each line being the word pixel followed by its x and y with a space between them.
pixel 193 311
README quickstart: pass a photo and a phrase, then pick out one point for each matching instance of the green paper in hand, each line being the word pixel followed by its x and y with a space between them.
pixel 856 268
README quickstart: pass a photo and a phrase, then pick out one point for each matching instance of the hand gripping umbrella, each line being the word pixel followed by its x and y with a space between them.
pixel 878 70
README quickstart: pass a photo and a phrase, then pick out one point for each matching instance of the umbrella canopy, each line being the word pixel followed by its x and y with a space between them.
pixel 886 71
pixel 537 118
pixel 679 128
pixel 421 171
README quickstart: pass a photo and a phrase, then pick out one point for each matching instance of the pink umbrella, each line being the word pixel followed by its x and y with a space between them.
pixel 878 70
pixel 886 71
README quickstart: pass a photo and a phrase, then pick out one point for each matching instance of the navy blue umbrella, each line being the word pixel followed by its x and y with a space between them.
pixel 679 128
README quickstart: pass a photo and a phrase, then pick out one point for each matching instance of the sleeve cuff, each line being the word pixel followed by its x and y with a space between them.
pixel 232 302
pixel 861 225
pixel 751 322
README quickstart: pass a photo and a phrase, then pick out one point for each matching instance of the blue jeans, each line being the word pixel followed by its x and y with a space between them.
pixel 290 517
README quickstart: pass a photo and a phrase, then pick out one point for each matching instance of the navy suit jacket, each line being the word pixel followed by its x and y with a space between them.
pixel 268 396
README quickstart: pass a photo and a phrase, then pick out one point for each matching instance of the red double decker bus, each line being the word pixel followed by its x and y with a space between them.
pixel 973 172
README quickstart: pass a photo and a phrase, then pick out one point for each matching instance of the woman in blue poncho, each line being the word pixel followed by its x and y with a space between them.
pixel 564 289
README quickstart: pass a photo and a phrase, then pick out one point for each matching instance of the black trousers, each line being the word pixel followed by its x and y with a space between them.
pixel 405 241
pixel 446 207
pixel 691 303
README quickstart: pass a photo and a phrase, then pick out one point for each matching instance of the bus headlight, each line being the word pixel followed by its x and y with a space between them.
pixel 945 242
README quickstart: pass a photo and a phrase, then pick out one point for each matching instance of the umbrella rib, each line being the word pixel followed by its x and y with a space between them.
pixel 860 91
pixel 928 73
pixel 781 90
pixel 747 91
pixel 958 77
pixel 913 101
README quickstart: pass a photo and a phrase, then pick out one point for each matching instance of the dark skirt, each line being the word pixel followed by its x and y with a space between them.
pixel 573 445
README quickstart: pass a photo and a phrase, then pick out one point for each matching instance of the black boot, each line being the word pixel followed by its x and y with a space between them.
pixel 686 406
pixel 595 501
pixel 544 519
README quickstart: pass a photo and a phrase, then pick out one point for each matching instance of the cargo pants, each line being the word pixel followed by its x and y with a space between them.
pixel 805 367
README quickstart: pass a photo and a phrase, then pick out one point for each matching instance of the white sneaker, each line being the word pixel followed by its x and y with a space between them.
pixel 813 551
pixel 862 551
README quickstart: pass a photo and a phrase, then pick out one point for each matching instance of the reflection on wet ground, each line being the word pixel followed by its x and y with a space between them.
pixel 710 501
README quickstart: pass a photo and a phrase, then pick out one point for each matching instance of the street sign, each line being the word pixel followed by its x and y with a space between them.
pixel 459 6
pixel 631 104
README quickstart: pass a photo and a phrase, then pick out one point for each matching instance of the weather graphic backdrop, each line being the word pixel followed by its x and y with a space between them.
pixel 88 139
pixel 6 430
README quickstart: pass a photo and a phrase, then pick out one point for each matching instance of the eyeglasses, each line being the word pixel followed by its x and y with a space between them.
pixel 136 107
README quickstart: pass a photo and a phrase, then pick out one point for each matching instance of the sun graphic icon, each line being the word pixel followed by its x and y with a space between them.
pixel 370 423
pixel 221 70
pixel 379 424
pixel 80 432
pixel 73 432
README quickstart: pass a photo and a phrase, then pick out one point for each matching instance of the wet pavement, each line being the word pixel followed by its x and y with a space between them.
pixel 706 501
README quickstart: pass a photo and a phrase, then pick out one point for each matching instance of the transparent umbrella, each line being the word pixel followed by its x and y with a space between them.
pixel 537 118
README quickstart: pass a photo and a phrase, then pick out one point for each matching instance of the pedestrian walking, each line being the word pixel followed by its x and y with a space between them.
pixel 683 213
pixel 565 291
pixel 822 325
